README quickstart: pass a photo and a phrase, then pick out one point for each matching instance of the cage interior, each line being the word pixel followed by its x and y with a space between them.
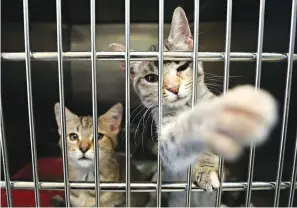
pixel 111 80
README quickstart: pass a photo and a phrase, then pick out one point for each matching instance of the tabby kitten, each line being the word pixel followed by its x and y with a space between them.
pixel 216 126
pixel 79 130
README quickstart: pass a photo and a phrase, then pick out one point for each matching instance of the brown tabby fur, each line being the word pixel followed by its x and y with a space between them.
pixel 111 166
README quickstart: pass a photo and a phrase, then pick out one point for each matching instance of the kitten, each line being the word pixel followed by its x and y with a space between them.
pixel 79 130
pixel 211 129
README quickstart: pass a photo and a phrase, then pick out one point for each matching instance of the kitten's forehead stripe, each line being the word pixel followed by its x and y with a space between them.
pixel 151 67
pixel 86 122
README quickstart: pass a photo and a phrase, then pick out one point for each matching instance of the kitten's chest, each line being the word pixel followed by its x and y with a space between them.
pixel 82 175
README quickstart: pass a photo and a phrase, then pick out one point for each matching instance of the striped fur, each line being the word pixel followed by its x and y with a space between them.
pixel 111 165
pixel 191 137
pixel 179 39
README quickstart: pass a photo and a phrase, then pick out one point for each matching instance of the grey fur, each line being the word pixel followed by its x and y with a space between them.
pixel 219 124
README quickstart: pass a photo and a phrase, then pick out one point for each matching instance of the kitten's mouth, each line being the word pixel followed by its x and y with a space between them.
pixel 179 98
pixel 178 101
pixel 84 158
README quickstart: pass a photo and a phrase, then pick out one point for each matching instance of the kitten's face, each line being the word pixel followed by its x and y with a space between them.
pixel 79 131
pixel 177 77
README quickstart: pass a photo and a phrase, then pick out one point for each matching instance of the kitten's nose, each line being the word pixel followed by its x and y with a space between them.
pixel 84 146
pixel 83 149
pixel 174 90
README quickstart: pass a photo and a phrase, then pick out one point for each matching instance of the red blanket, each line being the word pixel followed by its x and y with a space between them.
pixel 50 170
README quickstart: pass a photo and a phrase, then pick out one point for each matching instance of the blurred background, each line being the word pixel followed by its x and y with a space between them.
pixel 111 80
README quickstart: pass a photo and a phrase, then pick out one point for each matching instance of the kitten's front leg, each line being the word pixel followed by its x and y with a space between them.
pixel 224 125
pixel 205 172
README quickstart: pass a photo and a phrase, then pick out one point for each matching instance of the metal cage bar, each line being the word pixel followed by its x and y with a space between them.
pixel 30 101
pixel 5 159
pixel 145 187
pixel 160 97
pixel 286 101
pixel 293 177
pixel 127 100
pixel 128 56
pixel 257 86
pixel 226 85
pixel 2 135
pixel 136 56
pixel 62 104
pixel 194 87
pixel 94 99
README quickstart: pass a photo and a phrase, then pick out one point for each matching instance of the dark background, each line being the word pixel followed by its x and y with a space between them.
pixel 212 21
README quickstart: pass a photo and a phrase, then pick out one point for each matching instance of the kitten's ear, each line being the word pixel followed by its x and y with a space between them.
pixel 180 33
pixel 68 114
pixel 116 47
pixel 113 117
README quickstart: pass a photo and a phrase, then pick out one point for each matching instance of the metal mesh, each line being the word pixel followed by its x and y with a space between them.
pixel 128 56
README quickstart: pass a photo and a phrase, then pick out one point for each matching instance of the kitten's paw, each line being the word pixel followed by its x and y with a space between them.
pixel 207 178
pixel 206 172
pixel 241 117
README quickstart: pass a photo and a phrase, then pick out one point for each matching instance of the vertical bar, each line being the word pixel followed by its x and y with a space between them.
pixel 94 99
pixel 293 177
pixel 226 85
pixel 194 87
pixel 257 86
pixel 5 159
pixel 62 104
pixel 30 102
pixel 160 97
pixel 127 99
pixel 286 102
pixel 2 134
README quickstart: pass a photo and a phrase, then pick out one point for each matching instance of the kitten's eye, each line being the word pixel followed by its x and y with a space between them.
pixel 183 67
pixel 151 78
pixel 100 136
pixel 73 136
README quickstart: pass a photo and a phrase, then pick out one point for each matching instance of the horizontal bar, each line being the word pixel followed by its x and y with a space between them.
pixel 202 56
pixel 143 187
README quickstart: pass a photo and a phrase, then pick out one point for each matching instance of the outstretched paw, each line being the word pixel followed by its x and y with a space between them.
pixel 242 117
pixel 224 125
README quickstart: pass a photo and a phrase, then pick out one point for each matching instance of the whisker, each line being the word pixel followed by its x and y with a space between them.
pixel 140 122
pixel 214 75
pixel 213 79
pixel 215 90
pixel 135 109
pixel 140 105
pixel 214 85
pixel 144 126
pixel 123 132
pixel 137 114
